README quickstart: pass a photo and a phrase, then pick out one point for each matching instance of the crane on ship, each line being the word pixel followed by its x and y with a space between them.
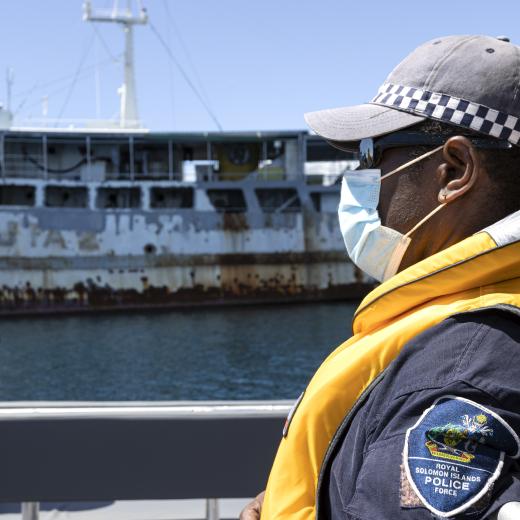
pixel 128 116
pixel 127 17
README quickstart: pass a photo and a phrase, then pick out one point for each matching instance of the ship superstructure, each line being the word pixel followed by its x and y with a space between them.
pixel 104 219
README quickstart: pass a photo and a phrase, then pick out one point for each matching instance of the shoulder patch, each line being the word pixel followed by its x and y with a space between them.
pixel 455 452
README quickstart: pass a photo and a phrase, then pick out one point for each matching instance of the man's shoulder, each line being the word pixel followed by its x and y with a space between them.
pixel 480 347
pixel 501 321
pixel 491 360
pixel 489 337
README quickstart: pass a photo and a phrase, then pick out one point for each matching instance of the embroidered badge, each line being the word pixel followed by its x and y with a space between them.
pixel 455 452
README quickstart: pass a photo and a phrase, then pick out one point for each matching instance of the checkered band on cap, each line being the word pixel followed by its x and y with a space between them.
pixel 449 109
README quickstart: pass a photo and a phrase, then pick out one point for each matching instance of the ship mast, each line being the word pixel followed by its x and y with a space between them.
pixel 129 117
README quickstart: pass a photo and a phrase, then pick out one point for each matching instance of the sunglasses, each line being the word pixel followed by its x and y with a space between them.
pixel 371 149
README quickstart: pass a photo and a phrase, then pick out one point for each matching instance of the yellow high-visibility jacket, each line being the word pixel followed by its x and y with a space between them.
pixel 479 272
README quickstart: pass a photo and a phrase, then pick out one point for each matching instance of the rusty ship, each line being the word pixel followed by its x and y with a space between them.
pixel 120 217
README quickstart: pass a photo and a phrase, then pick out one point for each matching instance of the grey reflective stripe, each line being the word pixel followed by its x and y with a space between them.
pixel 506 230
pixel 509 511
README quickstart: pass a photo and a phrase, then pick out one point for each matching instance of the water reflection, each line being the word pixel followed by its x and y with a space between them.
pixel 260 352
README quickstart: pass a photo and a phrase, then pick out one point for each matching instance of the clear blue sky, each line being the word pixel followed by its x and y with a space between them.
pixel 261 63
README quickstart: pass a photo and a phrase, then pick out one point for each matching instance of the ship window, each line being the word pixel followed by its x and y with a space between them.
pixel 17 195
pixel 316 201
pixel 66 197
pixel 325 202
pixel 118 198
pixel 171 198
pixel 228 201
pixel 278 199
pixel 151 160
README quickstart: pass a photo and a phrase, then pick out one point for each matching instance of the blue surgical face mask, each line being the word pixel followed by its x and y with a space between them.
pixel 374 248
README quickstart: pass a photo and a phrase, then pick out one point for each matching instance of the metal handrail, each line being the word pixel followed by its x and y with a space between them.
pixel 136 451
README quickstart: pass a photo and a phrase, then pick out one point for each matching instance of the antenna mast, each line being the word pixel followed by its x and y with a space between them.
pixel 9 76
pixel 129 117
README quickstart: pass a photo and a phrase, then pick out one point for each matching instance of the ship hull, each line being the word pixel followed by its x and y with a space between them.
pixel 74 260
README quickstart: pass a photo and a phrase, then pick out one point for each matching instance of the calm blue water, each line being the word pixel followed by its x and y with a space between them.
pixel 257 352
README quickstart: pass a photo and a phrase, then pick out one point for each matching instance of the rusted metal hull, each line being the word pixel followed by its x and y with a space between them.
pixel 49 286
pixel 57 260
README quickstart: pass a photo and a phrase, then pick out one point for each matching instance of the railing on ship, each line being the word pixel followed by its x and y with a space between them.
pixel 136 451
pixel 127 158
pixel 16 167
pixel 43 159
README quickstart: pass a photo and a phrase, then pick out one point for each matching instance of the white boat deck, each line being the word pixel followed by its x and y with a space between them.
pixel 129 510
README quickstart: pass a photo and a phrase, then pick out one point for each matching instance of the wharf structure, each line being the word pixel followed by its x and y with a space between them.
pixel 121 218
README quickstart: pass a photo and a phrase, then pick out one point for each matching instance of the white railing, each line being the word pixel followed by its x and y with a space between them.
pixel 136 451
pixel 105 125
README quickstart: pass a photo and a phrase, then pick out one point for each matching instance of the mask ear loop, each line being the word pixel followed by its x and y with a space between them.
pixel 405 240
pixel 406 165
pixel 399 252
pixel 427 217
pixel 413 161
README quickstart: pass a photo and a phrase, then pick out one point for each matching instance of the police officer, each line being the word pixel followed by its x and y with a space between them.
pixel 417 415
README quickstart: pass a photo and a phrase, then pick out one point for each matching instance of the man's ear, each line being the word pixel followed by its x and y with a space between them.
pixel 460 169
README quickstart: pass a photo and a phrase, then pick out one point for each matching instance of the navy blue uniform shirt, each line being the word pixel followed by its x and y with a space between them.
pixel 474 356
